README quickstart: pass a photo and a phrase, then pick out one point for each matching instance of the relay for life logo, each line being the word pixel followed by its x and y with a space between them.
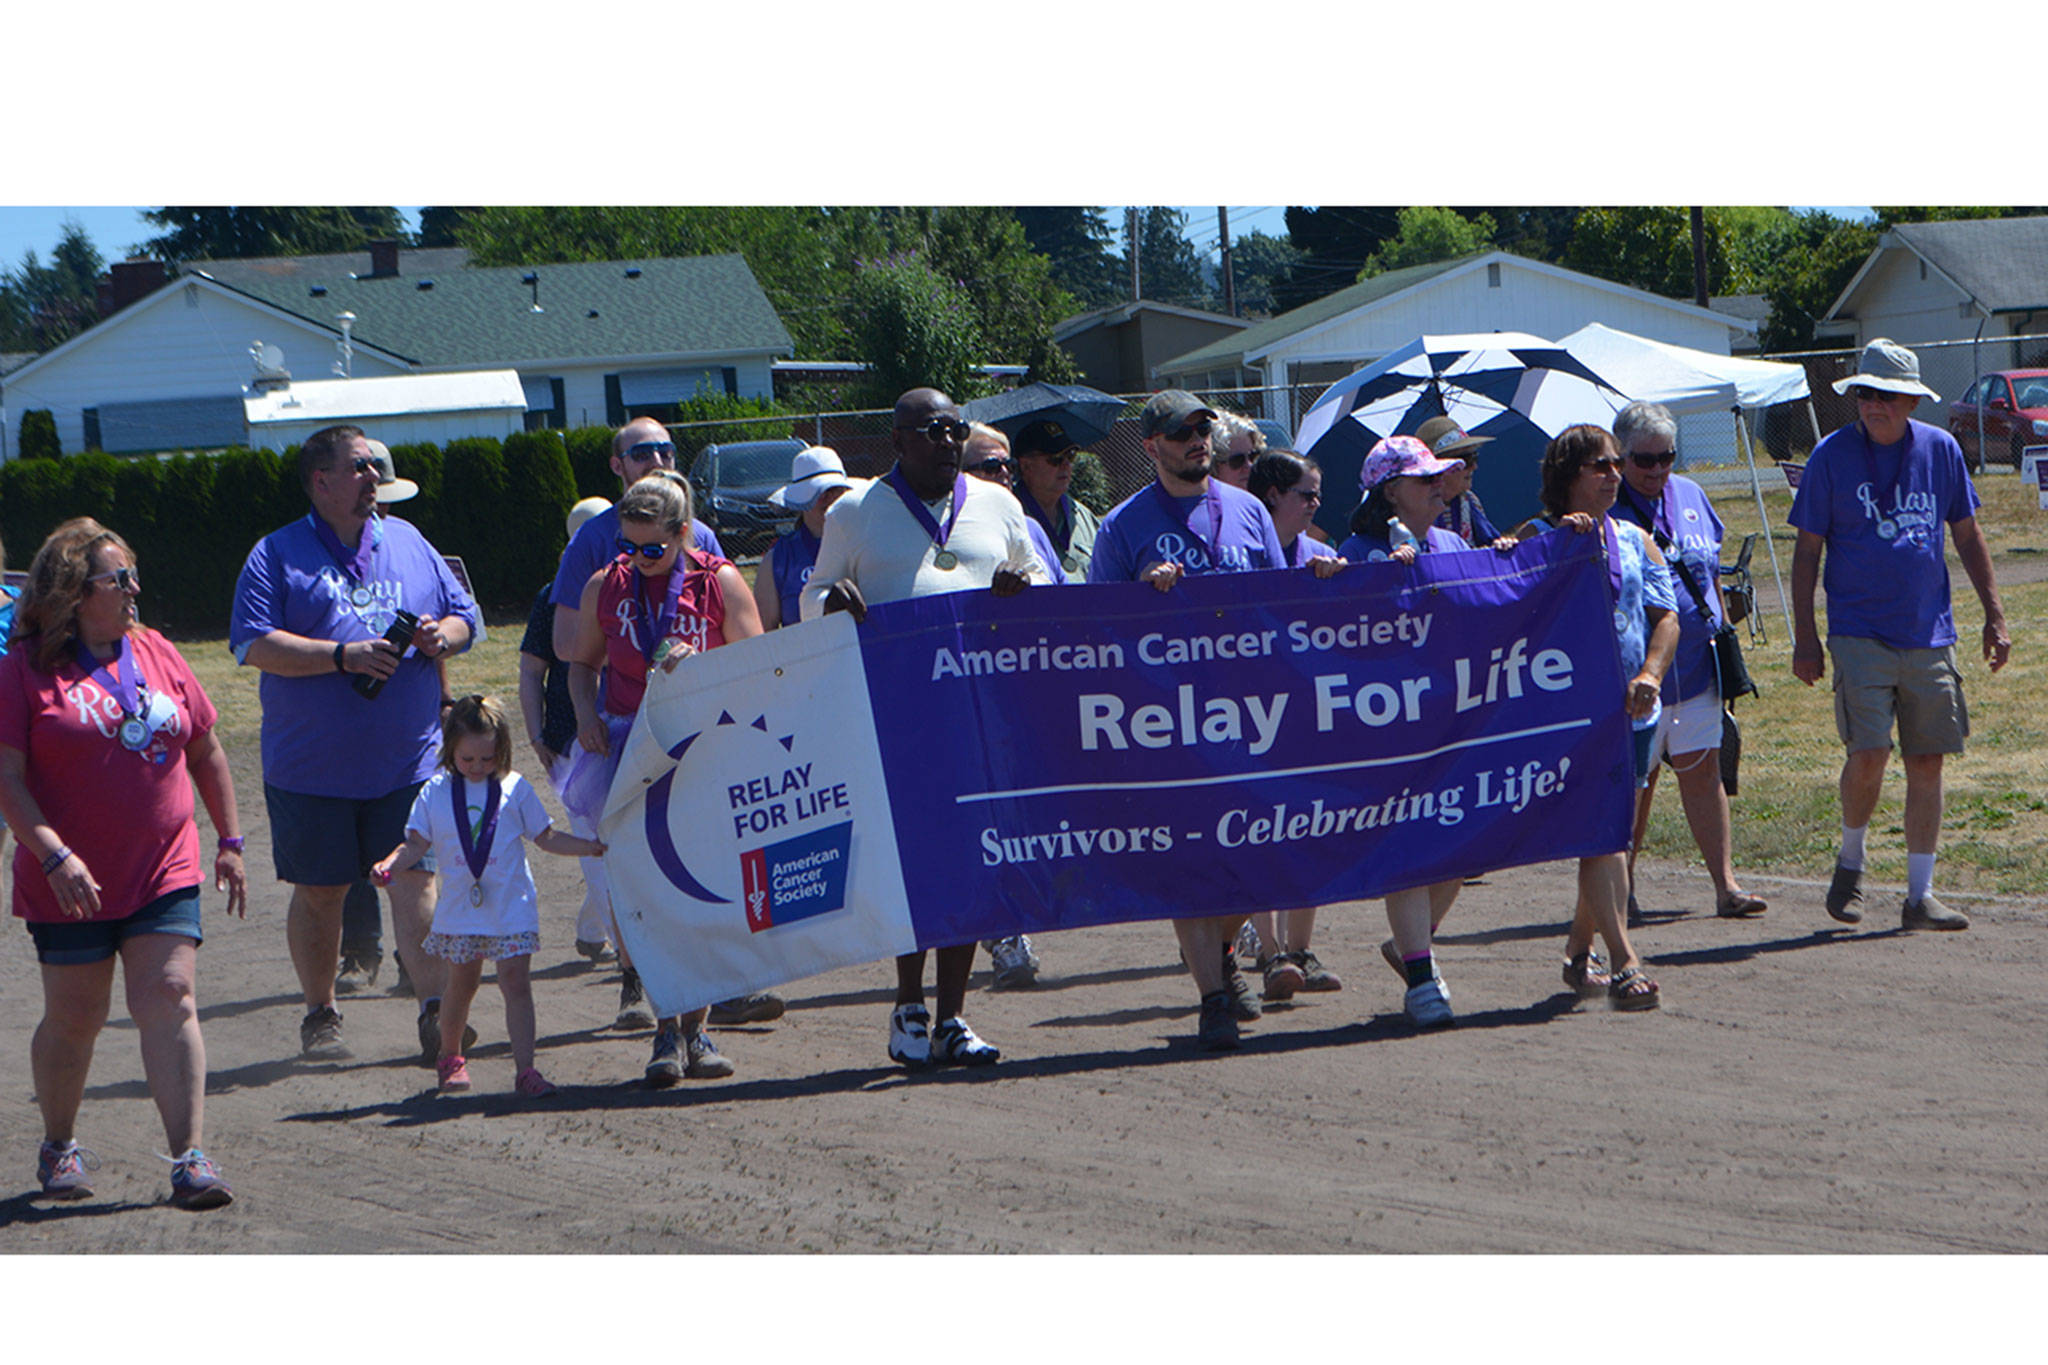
pixel 743 819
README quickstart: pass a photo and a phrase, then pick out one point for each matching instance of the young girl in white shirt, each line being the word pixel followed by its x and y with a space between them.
pixel 474 814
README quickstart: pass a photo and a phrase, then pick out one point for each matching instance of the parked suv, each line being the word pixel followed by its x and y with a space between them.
pixel 732 483
pixel 2015 408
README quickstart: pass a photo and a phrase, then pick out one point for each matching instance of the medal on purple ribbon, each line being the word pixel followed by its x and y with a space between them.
pixel 124 684
pixel 943 558
pixel 476 848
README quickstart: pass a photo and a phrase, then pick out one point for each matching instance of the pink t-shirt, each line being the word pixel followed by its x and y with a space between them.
pixel 126 814
pixel 623 603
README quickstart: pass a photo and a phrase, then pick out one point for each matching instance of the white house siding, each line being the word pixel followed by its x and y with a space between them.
pixel 1895 301
pixel 583 385
pixel 186 341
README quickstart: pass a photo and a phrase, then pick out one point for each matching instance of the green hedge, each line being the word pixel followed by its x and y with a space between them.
pixel 192 519
pixel 39 435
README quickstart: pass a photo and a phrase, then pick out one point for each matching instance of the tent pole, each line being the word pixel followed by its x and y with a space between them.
pixel 1763 517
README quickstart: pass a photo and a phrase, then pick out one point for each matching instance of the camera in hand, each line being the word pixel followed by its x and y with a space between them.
pixel 400 633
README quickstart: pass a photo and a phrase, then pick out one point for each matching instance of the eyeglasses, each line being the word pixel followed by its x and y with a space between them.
pixel 1605 463
pixel 990 468
pixel 1190 432
pixel 648 552
pixel 1237 461
pixel 1059 461
pixel 127 580
pixel 1644 459
pixel 939 430
pixel 663 451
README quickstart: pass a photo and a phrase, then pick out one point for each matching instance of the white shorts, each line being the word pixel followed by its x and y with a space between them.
pixel 1692 725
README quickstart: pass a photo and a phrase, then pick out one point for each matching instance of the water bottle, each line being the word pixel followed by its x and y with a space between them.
pixel 1399 535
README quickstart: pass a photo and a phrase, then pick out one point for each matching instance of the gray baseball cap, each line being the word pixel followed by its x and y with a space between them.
pixel 1170 410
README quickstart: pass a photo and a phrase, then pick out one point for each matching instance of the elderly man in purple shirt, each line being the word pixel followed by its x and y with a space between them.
pixel 1874 498
pixel 312 611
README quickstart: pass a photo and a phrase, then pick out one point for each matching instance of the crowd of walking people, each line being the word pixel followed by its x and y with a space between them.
pixel 375 775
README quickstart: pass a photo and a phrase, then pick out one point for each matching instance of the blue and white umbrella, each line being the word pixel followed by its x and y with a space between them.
pixel 1516 388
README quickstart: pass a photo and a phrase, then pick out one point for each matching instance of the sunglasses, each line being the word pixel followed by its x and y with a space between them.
pixel 990 467
pixel 1609 463
pixel 1059 461
pixel 362 464
pixel 939 430
pixel 648 552
pixel 664 451
pixel 1305 495
pixel 1190 432
pixel 1237 461
pixel 1648 460
pixel 1863 393
pixel 127 580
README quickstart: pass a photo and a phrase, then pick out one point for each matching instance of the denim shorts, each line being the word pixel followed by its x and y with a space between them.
pixel 334 840
pixel 69 943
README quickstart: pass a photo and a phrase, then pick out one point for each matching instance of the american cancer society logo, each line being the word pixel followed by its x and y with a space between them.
pixel 738 790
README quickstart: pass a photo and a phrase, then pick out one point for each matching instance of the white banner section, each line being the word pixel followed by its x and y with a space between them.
pixel 750 835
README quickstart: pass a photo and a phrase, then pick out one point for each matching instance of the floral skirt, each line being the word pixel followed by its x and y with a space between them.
pixel 480 947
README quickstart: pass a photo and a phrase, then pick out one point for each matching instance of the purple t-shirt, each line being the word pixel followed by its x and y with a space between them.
pixel 1881 511
pixel 319 737
pixel 1225 530
pixel 1687 529
pixel 597 544
pixel 1371 549
pixel 1047 556
pixel 1305 548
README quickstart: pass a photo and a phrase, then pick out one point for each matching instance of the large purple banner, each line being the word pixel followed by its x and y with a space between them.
pixel 1089 755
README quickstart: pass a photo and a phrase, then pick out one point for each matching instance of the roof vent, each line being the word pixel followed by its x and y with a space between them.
pixel 424 285
pixel 632 272
pixel 531 279
pixel 319 291
pixel 592 313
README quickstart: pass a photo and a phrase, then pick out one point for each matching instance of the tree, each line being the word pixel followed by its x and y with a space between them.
pixel 1424 236
pixel 438 226
pixel 39 435
pixel 1540 233
pixel 1260 264
pixel 1169 267
pixel 1646 248
pixel 1079 245
pixel 1015 299
pixel 42 306
pixel 1335 242
pixel 913 327
pixel 215 233
pixel 1813 266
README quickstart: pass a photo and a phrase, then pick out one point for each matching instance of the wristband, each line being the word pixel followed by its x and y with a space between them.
pixel 231 843
pixel 339 666
pixel 55 860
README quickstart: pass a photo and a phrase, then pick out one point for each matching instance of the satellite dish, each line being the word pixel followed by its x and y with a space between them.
pixel 269 357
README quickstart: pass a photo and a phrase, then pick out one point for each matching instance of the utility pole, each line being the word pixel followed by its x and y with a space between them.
pixel 1699 257
pixel 1131 234
pixel 1229 286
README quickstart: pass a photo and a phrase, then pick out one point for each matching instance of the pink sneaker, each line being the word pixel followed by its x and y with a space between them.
pixel 532 1084
pixel 454 1073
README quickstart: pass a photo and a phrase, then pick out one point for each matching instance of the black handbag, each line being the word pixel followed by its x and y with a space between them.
pixel 1729 669
pixel 1731 751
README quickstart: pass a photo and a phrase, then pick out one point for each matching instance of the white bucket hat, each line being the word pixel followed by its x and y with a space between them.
pixel 390 488
pixel 1888 366
pixel 814 470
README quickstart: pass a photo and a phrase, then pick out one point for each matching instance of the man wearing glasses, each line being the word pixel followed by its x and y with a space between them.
pixel 1045 469
pixel 1189 523
pixel 1874 497
pixel 340 769
pixel 922 529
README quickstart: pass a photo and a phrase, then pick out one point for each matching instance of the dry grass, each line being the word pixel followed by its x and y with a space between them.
pixel 1787 818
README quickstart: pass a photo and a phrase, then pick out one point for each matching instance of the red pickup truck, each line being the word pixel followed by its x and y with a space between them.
pixel 2014 404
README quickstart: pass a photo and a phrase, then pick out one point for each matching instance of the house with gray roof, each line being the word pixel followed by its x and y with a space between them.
pixel 1961 280
pixel 1310 347
pixel 590 342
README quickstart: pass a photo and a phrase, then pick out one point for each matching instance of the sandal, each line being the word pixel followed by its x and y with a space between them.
pixel 1586 973
pixel 1740 905
pixel 1631 990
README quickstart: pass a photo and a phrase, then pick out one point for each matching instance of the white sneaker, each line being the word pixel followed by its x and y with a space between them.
pixel 1249 949
pixel 910 1038
pixel 957 1043
pixel 1429 1005
pixel 1015 965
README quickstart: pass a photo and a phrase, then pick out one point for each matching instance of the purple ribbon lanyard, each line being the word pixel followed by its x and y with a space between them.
pixel 126 688
pixel 476 850
pixel 939 534
pixel 656 625
pixel 1214 505
pixel 1613 556
pixel 355 563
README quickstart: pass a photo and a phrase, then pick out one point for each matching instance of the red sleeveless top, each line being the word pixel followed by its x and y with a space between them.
pixel 629 608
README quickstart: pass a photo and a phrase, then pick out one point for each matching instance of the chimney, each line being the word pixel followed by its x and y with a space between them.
pixel 128 281
pixel 383 259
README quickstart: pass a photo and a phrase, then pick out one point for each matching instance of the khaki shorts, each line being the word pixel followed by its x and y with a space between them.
pixel 1875 683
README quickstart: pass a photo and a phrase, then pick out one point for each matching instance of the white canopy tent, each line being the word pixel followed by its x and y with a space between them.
pixel 1685 380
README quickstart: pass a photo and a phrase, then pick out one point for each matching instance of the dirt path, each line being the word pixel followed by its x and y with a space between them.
pixel 1804 1089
